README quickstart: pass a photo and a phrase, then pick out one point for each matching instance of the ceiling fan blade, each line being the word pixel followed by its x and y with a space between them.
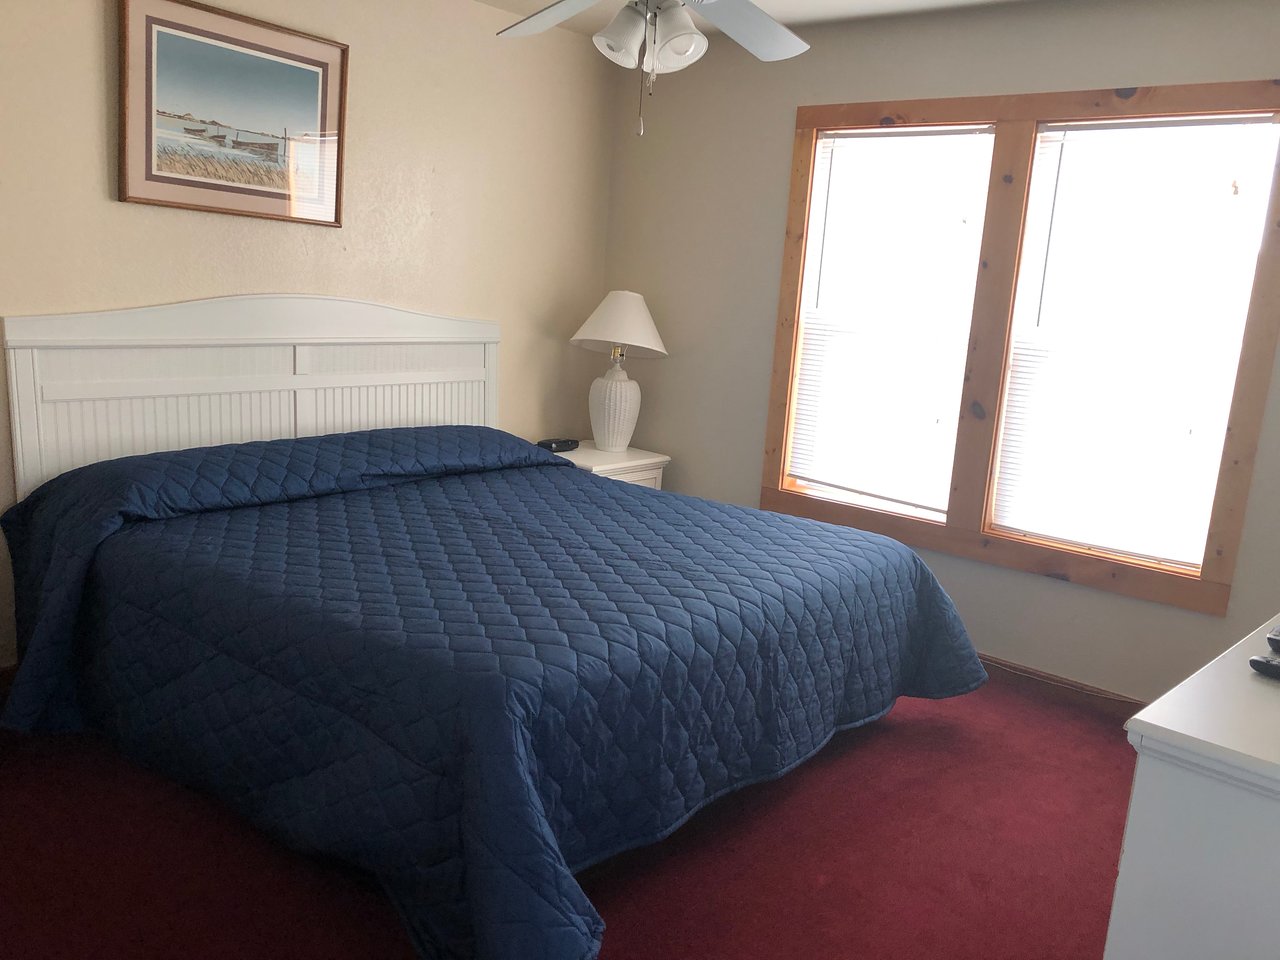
pixel 750 27
pixel 547 17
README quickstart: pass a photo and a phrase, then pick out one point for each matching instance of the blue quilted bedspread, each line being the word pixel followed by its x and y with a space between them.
pixel 446 656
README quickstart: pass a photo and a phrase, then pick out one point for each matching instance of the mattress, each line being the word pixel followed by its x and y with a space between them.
pixel 453 660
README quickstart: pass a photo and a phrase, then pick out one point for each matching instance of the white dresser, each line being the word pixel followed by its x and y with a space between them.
pixel 1200 872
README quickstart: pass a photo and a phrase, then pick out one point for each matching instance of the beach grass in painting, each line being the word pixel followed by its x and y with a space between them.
pixel 178 160
pixel 228 115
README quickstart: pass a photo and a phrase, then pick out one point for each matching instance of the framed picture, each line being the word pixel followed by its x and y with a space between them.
pixel 226 113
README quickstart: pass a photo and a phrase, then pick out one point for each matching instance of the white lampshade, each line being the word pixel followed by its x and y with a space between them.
pixel 678 43
pixel 620 40
pixel 622 319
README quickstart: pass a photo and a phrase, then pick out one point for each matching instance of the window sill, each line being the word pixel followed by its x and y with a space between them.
pixel 1169 586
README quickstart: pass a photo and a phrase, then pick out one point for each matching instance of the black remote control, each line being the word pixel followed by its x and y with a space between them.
pixel 1267 666
pixel 558 444
pixel 1273 639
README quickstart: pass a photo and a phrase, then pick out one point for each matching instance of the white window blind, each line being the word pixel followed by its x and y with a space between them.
pixel 1138 259
pixel 894 237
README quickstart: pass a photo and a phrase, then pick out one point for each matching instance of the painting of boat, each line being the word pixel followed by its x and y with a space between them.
pixel 203 133
pixel 257 146
pixel 242 119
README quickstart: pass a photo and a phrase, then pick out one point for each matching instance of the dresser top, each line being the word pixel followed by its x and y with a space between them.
pixel 1226 712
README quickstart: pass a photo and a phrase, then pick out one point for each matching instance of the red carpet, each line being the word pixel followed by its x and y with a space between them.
pixel 983 827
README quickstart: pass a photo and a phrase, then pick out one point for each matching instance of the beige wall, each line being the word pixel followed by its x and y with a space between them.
pixel 476 185
pixel 697 226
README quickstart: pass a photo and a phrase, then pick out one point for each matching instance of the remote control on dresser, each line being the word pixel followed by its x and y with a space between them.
pixel 1267 666
pixel 1273 639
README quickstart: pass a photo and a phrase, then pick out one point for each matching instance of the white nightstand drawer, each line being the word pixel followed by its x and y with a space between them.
pixel 644 478
pixel 641 467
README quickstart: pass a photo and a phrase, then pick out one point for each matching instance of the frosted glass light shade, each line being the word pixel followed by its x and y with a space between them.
pixel 622 319
pixel 677 41
pixel 620 40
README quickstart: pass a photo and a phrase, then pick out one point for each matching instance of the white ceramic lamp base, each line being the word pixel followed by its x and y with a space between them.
pixel 615 407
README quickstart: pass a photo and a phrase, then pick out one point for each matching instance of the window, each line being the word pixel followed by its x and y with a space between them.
pixel 918 197
pixel 1034 330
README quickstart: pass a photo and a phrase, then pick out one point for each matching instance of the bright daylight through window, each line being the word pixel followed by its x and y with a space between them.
pixel 1018 335
pixel 1137 265
pixel 882 358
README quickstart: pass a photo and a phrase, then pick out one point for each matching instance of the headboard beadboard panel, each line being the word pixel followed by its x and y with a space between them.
pixel 94 386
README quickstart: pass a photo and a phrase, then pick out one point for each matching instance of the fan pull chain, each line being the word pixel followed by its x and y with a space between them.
pixel 650 76
pixel 640 124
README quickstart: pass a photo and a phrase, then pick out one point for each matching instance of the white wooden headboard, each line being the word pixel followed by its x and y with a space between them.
pixel 85 387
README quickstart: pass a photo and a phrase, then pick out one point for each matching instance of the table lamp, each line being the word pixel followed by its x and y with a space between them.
pixel 621 325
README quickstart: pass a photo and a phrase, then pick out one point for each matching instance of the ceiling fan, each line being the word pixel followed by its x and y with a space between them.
pixel 666 33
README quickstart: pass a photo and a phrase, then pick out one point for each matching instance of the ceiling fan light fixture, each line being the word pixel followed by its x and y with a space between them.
pixel 620 41
pixel 677 42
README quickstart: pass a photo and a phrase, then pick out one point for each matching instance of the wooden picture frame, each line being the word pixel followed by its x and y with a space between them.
pixel 229 114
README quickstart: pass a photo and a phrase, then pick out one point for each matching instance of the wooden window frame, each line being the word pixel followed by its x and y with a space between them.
pixel 968 531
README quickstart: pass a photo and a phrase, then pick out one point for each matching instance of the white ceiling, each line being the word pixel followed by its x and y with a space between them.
pixel 787 11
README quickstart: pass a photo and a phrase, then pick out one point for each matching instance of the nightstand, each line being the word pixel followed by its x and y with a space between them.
pixel 641 467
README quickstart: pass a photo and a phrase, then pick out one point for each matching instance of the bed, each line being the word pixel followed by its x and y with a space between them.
pixel 444 655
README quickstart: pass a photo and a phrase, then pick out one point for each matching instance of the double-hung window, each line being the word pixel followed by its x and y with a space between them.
pixel 1036 330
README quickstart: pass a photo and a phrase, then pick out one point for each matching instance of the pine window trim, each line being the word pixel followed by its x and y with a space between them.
pixel 967 531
